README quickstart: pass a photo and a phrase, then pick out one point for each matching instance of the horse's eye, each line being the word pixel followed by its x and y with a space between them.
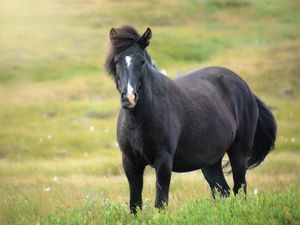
pixel 143 61
pixel 116 62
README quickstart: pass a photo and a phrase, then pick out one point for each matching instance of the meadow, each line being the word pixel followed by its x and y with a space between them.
pixel 59 160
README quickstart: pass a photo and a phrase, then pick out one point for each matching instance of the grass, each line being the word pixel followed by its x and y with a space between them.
pixel 59 162
pixel 266 209
pixel 64 190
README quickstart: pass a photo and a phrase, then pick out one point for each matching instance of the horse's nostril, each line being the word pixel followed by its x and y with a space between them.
pixel 123 96
pixel 129 99
pixel 135 95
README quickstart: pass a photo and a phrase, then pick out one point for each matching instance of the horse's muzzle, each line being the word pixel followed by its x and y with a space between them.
pixel 128 101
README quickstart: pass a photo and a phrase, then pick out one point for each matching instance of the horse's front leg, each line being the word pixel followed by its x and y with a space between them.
pixel 134 174
pixel 163 169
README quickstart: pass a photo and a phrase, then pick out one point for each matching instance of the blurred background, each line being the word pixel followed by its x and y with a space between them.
pixel 58 108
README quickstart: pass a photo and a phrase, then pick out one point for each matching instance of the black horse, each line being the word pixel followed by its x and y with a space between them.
pixel 184 124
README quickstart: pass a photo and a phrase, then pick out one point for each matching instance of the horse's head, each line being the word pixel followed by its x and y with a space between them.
pixel 126 62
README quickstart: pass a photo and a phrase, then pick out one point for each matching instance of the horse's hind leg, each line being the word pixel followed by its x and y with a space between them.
pixel 238 163
pixel 216 180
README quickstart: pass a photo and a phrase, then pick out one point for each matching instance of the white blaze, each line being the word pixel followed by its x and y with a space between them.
pixel 129 89
pixel 128 61
pixel 130 94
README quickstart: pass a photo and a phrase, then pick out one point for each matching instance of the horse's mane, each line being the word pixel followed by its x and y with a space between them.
pixel 122 38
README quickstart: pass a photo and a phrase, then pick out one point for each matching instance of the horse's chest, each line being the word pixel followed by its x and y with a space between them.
pixel 146 145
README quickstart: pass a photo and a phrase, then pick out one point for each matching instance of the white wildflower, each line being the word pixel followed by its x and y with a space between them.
pixel 255 191
pixel 92 129
pixel 47 189
pixel 55 178
pixel 49 136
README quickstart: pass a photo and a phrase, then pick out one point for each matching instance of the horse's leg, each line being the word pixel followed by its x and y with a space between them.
pixel 134 176
pixel 216 180
pixel 163 171
pixel 238 162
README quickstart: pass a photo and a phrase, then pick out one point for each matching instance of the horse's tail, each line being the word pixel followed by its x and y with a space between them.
pixel 265 135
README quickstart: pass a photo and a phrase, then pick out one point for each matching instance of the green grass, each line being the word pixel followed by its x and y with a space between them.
pixel 273 208
pixel 276 208
pixel 59 162
pixel 94 185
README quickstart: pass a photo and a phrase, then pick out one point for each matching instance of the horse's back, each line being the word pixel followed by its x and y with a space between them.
pixel 216 82
pixel 215 75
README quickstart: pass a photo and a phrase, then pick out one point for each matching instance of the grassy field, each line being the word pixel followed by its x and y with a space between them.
pixel 59 160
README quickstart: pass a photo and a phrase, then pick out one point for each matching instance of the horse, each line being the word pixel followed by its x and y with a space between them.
pixel 184 124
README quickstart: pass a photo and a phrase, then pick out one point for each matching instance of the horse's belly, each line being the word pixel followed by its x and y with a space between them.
pixel 190 162
pixel 197 154
pixel 183 165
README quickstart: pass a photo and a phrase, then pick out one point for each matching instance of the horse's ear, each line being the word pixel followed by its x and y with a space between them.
pixel 144 39
pixel 112 32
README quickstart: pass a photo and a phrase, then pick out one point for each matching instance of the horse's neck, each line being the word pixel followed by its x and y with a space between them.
pixel 155 84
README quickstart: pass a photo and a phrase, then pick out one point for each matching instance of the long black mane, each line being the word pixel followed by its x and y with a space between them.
pixel 122 38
